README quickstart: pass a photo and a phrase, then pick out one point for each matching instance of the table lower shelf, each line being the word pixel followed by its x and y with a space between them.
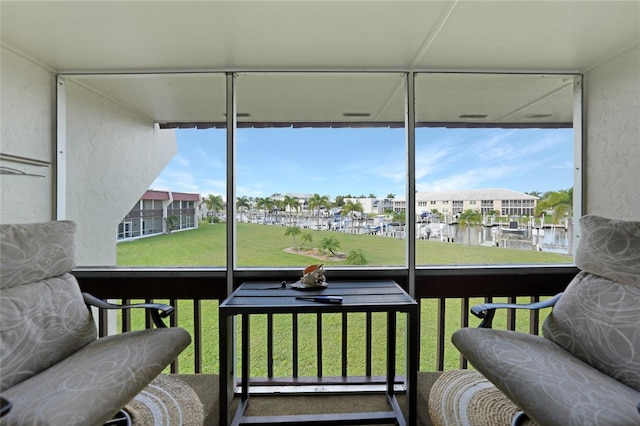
pixel 355 418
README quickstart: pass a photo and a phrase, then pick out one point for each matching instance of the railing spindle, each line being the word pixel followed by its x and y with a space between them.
pixel 534 317
pixel 270 345
pixel 126 317
pixel 464 322
pixel 442 311
pixel 369 344
pixel 147 318
pixel 294 338
pixel 197 335
pixel 391 347
pixel 103 323
pixel 319 343
pixel 173 322
pixel 511 315
pixel 344 344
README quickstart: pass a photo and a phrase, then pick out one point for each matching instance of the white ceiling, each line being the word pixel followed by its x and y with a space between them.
pixel 550 37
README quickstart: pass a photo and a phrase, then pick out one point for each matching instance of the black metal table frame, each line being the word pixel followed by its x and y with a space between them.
pixel 227 315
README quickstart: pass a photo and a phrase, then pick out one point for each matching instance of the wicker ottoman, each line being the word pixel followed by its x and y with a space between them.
pixel 466 397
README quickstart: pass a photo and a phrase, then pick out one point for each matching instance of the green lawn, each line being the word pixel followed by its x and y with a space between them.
pixel 260 245
pixel 263 245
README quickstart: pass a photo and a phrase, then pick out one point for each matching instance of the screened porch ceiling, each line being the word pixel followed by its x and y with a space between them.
pixel 149 43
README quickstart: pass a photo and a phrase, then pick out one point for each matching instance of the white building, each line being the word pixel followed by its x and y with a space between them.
pixel 503 201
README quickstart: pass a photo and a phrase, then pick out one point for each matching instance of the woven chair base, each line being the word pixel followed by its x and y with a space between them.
pixel 466 397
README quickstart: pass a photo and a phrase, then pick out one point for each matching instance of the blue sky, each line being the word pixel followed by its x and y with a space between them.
pixel 363 161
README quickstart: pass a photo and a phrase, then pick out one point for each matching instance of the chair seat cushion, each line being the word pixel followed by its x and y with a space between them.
pixel 548 383
pixel 91 385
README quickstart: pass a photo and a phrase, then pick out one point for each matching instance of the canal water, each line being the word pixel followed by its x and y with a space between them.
pixel 554 239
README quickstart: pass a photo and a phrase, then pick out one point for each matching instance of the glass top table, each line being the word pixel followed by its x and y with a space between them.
pixel 257 298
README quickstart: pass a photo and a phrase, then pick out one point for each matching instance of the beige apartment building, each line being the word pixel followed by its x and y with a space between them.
pixel 503 201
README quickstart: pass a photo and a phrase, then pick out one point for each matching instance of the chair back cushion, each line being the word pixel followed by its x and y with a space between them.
pixel 36 251
pixel 43 318
pixel 610 248
pixel 598 317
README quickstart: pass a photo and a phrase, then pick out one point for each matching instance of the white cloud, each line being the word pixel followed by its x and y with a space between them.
pixel 430 161
pixel 469 179
pixel 210 161
pixel 181 161
pixel 565 165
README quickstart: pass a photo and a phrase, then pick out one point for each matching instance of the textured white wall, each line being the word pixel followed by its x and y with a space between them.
pixel 612 149
pixel 113 156
pixel 27 130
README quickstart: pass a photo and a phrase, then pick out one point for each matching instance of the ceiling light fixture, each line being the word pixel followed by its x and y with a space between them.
pixel 538 115
pixel 240 114
pixel 473 116
pixel 356 114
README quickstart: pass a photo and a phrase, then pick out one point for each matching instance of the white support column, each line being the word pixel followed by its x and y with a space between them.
pixel 61 151
pixel 579 135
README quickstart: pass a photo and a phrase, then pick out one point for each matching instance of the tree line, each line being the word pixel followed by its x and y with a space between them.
pixel 558 203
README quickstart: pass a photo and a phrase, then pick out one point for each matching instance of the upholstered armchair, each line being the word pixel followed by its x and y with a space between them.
pixel 585 369
pixel 53 369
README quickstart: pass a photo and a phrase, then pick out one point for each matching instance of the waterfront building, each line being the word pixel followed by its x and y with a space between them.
pixel 503 202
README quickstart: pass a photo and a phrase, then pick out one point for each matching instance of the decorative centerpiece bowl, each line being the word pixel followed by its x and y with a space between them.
pixel 312 279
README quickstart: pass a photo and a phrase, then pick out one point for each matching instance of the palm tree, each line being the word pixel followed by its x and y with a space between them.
pixel 293 231
pixel 560 202
pixel 259 204
pixel 291 203
pixel 316 201
pixel 264 203
pixel 268 205
pixel 173 222
pixel 349 207
pixel 243 203
pixel 399 217
pixel 356 257
pixel 467 219
pixel 214 203
pixel 329 244
pixel 305 238
pixel 279 206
